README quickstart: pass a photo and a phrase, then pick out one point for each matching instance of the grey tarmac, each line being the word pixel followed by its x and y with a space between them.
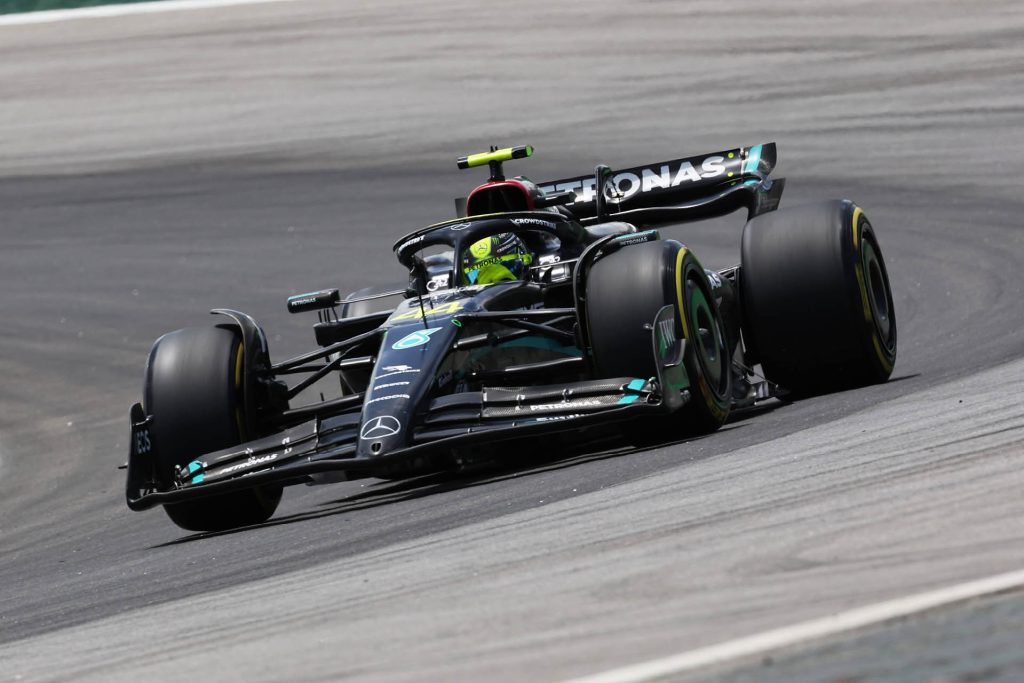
pixel 157 167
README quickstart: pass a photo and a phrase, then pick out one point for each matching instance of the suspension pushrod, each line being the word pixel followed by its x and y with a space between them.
pixel 324 352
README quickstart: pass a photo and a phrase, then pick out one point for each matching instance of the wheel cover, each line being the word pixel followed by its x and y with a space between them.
pixel 708 340
pixel 878 293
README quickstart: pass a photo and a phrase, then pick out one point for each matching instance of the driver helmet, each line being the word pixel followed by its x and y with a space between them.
pixel 497 258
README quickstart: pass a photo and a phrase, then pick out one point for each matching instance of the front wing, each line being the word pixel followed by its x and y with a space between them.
pixel 328 445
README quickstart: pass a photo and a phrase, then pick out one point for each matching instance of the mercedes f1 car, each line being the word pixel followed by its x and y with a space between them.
pixel 601 323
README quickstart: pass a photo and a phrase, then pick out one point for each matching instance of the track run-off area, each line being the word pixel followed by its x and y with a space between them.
pixel 159 164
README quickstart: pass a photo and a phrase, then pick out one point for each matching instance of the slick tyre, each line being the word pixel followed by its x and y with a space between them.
pixel 817 305
pixel 624 292
pixel 193 391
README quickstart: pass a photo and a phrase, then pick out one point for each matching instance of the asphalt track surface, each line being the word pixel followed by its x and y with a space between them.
pixel 154 167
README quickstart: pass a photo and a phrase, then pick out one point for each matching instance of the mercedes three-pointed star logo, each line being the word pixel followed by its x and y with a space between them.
pixel 380 427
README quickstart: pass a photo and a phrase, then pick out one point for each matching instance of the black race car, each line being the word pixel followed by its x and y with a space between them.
pixel 599 321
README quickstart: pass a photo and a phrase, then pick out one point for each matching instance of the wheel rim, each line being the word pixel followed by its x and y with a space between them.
pixel 878 293
pixel 708 341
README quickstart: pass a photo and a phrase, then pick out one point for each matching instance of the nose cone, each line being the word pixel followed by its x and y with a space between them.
pixel 382 433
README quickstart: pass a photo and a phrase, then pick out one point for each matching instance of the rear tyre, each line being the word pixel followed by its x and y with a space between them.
pixel 624 292
pixel 817 305
pixel 193 390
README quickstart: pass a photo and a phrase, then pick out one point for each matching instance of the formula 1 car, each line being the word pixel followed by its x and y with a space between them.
pixel 608 324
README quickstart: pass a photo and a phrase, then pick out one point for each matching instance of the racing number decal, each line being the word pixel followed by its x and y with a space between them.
pixel 440 309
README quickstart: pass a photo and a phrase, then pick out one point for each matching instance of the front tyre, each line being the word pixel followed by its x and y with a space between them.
pixel 193 390
pixel 624 292
pixel 817 305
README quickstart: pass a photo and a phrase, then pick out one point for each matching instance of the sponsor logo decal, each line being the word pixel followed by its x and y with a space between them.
pixel 392 370
pixel 481 249
pixel 555 418
pixel 417 338
pixel 584 188
pixel 489 261
pixel 438 282
pixel 415 240
pixel 582 403
pixel 390 397
pixel 252 461
pixel 143 444
pixel 380 427
pixel 635 240
pixel 390 384
pixel 534 221
pixel 625 184
pixel 459 226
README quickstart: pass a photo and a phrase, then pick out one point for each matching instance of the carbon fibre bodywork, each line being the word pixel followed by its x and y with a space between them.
pixel 452 369
pixel 374 434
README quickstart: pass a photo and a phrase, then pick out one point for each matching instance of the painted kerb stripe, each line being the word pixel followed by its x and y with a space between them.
pixel 48 16
pixel 768 641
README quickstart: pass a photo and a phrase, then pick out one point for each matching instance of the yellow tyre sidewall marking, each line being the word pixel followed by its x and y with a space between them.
pixel 858 269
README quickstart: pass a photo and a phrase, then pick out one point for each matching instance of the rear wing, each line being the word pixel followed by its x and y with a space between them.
pixel 695 186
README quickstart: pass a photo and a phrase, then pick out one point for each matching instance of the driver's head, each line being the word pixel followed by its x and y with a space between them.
pixel 495 259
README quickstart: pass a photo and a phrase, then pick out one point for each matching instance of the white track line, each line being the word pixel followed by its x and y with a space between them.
pixel 767 641
pixel 47 16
